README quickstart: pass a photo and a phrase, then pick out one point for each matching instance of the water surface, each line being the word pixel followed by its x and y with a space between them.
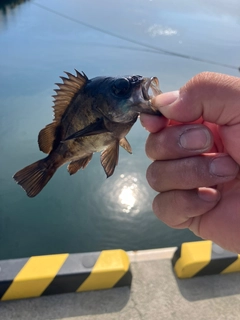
pixel 87 212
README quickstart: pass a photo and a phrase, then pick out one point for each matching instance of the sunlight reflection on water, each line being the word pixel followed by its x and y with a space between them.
pixel 128 195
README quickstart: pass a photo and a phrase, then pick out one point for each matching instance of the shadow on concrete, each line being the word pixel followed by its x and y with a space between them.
pixel 66 305
pixel 207 287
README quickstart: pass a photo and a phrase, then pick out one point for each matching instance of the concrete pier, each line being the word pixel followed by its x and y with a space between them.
pixel 156 293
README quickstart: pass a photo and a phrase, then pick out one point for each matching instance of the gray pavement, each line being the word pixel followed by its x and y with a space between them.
pixel 155 294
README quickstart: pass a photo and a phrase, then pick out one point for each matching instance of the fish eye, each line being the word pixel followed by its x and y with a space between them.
pixel 121 86
pixel 135 79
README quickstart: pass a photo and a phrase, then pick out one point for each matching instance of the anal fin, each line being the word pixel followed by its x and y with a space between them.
pixel 125 145
pixel 109 158
pixel 76 165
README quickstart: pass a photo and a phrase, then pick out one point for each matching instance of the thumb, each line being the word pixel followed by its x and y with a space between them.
pixel 213 96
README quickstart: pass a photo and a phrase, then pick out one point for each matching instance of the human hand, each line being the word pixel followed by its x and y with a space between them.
pixel 196 158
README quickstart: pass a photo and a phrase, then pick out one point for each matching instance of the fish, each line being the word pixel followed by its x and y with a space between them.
pixel 90 115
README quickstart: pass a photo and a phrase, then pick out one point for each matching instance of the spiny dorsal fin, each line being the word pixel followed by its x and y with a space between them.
pixel 109 158
pixel 66 92
pixel 62 99
pixel 125 145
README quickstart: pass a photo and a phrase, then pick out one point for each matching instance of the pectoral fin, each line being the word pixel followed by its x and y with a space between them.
pixel 74 166
pixel 90 130
pixel 125 145
pixel 109 158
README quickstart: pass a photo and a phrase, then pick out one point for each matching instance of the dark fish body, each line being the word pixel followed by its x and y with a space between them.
pixel 89 116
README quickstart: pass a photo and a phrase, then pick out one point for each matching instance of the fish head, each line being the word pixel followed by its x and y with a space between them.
pixel 121 99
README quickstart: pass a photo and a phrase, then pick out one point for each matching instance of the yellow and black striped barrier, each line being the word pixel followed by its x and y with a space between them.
pixel 201 258
pixel 62 273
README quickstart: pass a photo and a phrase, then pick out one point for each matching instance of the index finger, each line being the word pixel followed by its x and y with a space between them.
pixel 153 123
pixel 213 96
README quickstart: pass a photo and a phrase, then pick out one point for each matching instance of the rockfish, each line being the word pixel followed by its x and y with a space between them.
pixel 90 115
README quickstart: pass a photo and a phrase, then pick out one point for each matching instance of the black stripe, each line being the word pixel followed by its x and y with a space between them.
pixel 8 271
pixel 4 285
pixel 217 264
pixel 126 280
pixel 66 283
pixel 176 256
pixel 73 273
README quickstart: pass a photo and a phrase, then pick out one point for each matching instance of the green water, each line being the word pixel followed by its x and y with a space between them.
pixel 87 212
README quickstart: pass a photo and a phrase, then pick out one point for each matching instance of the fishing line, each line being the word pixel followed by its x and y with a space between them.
pixel 140 43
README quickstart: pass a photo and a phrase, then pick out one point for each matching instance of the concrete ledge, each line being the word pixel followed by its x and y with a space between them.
pixel 200 258
pixel 151 255
pixel 63 273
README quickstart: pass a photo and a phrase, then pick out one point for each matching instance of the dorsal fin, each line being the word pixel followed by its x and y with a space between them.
pixel 45 138
pixel 67 90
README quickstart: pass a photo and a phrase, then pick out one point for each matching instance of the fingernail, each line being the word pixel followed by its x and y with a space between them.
pixel 195 139
pixel 165 99
pixel 209 195
pixel 224 166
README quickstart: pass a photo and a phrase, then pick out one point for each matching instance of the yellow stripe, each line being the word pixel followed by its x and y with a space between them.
pixel 194 257
pixel 109 268
pixel 35 276
pixel 234 267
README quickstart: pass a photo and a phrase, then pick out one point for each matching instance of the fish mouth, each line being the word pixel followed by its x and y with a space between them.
pixel 150 88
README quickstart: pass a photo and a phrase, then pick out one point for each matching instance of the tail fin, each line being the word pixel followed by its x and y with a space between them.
pixel 34 177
